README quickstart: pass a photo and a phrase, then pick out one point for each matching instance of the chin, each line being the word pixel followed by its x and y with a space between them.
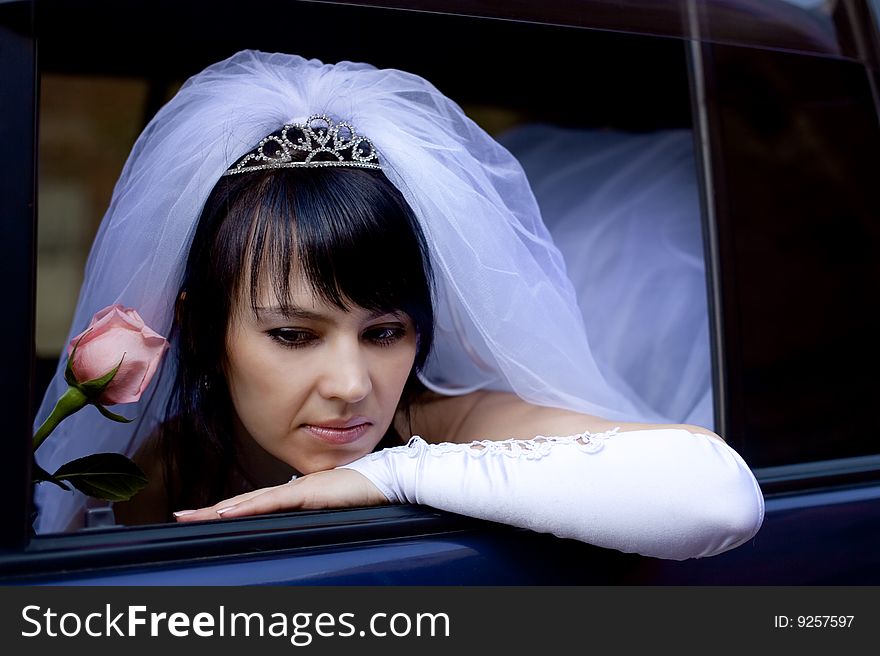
pixel 326 461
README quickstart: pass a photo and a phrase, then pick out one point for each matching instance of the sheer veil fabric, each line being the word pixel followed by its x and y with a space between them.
pixel 507 313
pixel 624 210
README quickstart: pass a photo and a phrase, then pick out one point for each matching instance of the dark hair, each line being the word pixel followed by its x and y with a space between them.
pixel 358 243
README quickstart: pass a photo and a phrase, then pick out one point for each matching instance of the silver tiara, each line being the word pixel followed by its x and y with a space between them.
pixel 326 143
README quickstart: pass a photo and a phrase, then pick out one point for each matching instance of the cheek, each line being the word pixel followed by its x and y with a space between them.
pixel 393 371
pixel 264 394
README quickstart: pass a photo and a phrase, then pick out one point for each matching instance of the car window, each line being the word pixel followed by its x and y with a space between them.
pixel 93 107
pixel 808 26
pixel 87 127
pixel 794 141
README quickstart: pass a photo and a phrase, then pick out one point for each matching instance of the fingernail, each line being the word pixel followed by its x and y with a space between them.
pixel 223 510
pixel 183 513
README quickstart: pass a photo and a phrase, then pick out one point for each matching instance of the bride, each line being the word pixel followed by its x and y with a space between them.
pixel 365 307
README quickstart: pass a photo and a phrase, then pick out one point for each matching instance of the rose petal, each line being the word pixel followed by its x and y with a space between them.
pixel 116 331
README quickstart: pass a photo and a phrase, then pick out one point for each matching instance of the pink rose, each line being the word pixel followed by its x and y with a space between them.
pixel 118 333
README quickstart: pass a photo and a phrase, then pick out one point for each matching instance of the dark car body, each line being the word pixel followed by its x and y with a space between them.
pixel 783 105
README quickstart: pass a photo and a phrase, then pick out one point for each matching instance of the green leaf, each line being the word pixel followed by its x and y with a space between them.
pixel 95 387
pixel 40 475
pixel 69 376
pixel 112 415
pixel 107 476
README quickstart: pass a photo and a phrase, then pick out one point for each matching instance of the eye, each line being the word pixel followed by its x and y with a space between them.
pixel 292 337
pixel 385 335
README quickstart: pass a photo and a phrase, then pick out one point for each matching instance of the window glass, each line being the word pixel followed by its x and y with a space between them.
pixel 875 14
pixel 795 145
pixel 87 127
pixel 810 26
pixel 814 26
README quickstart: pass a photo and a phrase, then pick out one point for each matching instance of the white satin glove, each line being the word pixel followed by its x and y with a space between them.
pixel 666 493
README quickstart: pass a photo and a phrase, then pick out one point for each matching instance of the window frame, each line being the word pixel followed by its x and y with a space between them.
pixel 18 135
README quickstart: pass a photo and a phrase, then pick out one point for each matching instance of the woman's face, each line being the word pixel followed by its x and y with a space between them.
pixel 313 385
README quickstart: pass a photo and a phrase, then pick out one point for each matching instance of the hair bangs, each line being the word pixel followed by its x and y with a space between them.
pixel 355 242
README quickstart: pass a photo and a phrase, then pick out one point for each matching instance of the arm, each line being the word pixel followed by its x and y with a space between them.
pixel 673 491
pixel 664 491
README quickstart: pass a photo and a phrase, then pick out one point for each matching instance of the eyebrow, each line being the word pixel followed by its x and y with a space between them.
pixel 287 312
pixel 294 312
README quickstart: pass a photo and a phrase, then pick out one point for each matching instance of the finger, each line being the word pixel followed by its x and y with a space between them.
pixel 210 512
pixel 279 499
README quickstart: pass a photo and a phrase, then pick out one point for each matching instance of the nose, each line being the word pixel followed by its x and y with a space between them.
pixel 346 374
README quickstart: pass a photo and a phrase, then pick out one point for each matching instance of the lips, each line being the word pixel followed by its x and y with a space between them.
pixel 340 431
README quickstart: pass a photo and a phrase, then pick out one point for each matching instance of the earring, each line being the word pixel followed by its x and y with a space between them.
pixel 205 382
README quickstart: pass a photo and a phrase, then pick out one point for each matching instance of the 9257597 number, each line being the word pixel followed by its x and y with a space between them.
pixel 822 621
pixel 813 621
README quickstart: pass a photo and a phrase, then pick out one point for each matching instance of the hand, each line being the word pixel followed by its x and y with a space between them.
pixel 334 488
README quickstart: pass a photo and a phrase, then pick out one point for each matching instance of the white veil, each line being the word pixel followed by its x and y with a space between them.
pixel 507 315
pixel 624 210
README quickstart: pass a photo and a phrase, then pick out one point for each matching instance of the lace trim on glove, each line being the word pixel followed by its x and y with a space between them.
pixel 532 449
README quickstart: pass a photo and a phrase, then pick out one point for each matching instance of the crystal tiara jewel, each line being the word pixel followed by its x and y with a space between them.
pixel 327 144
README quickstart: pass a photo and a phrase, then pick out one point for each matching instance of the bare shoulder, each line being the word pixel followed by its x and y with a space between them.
pixel 438 418
pixel 490 415
pixel 149 506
